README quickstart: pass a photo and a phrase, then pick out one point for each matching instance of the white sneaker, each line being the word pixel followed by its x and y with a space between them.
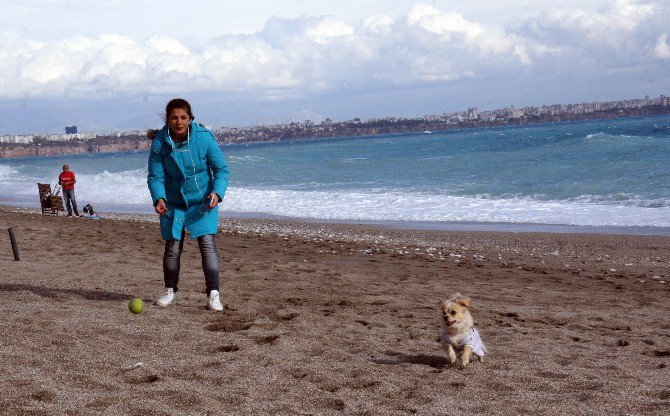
pixel 214 303
pixel 169 297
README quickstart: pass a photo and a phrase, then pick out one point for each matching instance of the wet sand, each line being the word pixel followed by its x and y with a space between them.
pixel 329 319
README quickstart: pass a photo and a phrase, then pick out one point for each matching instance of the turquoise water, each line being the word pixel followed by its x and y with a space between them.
pixel 593 173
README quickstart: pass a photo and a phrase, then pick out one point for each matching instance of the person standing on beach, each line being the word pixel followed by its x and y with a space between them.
pixel 67 180
pixel 188 177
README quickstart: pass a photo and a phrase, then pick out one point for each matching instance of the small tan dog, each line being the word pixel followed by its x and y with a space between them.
pixel 458 331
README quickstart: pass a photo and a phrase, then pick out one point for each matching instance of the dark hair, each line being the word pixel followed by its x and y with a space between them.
pixel 178 103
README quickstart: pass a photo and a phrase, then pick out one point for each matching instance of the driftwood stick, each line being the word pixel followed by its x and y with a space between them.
pixel 15 246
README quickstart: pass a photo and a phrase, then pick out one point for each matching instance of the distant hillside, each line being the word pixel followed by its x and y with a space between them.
pixel 308 130
pixel 357 128
pixel 101 144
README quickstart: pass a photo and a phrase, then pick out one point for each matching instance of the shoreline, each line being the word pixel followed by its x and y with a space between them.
pixel 434 244
pixel 124 212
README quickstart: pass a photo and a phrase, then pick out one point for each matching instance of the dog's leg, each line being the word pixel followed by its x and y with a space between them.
pixel 481 359
pixel 451 354
pixel 465 357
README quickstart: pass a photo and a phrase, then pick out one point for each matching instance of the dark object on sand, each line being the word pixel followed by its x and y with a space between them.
pixel 88 209
pixel 15 246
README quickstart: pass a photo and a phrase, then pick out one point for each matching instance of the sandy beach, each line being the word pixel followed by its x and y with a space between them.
pixel 329 319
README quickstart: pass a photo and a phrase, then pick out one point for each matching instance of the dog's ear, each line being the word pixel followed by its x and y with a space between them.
pixel 463 300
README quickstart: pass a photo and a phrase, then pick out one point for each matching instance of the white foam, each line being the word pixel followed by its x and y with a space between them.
pixel 7 172
pixel 245 158
pixel 398 206
pixel 600 134
pixel 607 135
pixel 129 189
pixel 123 188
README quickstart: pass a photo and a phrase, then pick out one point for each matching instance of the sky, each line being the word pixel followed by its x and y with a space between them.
pixel 113 65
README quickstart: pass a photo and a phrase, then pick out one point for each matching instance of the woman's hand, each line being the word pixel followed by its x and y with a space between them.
pixel 160 207
pixel 213 198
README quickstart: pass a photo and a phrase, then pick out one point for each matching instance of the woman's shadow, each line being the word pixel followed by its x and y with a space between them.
pixel 47 292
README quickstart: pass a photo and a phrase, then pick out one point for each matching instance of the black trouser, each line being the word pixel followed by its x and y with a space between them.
pixel 210 261
pixel 68 196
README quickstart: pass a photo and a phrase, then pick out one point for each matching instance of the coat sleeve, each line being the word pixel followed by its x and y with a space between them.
pixel 217 164
pixel 156 177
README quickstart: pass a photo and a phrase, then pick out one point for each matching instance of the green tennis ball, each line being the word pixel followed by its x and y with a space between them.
pixel 136 306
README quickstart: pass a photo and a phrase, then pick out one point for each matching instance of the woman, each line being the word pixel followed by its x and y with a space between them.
pixel 188 177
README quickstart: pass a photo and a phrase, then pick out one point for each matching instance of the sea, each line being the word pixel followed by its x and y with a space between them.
pixel 610 176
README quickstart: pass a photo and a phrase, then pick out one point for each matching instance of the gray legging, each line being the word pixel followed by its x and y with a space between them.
pixel 210 261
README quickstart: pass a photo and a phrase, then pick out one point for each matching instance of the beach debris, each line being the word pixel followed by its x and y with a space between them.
pixel 133 366
pixel 15 246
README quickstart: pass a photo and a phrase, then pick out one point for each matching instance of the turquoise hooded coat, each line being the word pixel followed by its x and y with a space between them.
pixel 183 174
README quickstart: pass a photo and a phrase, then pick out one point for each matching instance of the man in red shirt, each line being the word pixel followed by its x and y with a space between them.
pixel 67 181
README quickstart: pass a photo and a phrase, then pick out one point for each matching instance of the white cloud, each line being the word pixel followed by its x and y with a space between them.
pixel 611 26
pixel 167 44
pixel 520 51
pixel 621 34
pixel 662 49
pixel 327 29
pixel 378 23
pixel 443 24
pixel 298 57
pixel 420 11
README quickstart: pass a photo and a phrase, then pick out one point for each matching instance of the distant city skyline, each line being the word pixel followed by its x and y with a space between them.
pixel 470 114
pixel 113 66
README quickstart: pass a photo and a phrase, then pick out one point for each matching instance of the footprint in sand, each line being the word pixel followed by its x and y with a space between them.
pixel 284 317
pixel 269 339
pixel 227 348
pixel 228 326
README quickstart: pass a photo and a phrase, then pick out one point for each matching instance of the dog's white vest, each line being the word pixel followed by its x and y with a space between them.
pixel 473 341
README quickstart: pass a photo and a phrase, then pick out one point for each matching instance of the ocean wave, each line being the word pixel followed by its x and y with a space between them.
pixel 245 158
pixel 6 171
pixel 130 190
pixel 126 188
pixel 608 135
pixel 597 135
pixel 398 206
pixel 621 199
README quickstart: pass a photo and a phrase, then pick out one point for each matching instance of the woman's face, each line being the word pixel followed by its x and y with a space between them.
pixel 178 121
